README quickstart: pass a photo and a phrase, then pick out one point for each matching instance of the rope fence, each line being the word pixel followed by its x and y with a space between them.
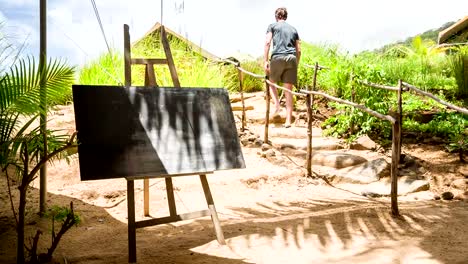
pixel 394 118
pixel 433 97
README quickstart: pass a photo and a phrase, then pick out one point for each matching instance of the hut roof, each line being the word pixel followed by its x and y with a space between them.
pixel 460 26
pixel 192 45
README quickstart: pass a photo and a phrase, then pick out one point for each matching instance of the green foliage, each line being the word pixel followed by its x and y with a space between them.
pixel 459 66
pixel 414 103
pixel 429 35
pixel 60 214
pixel 21 141
pixel 444 125
pixel 20 95
pixel 108 69
pixel 421 64
pixel 459 143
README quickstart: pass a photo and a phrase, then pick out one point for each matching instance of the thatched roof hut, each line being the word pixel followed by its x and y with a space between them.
pixel 155 32
pixel 457 33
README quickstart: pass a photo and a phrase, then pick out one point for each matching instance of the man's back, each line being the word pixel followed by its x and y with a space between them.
pixel 284 38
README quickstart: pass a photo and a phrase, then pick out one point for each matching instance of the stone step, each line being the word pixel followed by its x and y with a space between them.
pixel 278 131
pixel 318 144
pixel 361 173
pixel 406 185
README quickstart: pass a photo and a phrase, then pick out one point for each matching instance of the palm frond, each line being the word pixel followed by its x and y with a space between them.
pixel 20 87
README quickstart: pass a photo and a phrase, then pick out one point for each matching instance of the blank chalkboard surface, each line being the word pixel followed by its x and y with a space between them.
pixel 154 132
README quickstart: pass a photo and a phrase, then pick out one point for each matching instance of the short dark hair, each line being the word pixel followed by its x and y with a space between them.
pixel 281 13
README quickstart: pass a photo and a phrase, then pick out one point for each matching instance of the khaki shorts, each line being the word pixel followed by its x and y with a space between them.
pixel 283 68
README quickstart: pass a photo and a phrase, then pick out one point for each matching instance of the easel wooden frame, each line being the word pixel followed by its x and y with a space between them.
pixel 150 80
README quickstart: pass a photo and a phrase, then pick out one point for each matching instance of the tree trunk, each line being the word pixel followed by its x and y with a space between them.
pixel 20 228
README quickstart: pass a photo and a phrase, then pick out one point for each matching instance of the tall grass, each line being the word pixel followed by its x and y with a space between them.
pixel 459 63
pixel 108 69
pixel 193 69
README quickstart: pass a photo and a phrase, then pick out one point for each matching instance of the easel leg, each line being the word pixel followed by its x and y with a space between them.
pixel 170 196
pixel 131 222
pixel 146 197
pixel 211 207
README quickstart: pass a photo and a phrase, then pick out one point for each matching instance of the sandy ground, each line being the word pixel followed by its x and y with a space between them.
pixel 268 213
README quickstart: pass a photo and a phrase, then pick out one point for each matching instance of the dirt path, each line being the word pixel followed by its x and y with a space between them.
pixel 269 213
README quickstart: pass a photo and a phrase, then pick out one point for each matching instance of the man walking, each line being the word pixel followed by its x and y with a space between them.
pixel 285 55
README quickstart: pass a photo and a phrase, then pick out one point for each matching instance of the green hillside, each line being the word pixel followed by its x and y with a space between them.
pixel 429 35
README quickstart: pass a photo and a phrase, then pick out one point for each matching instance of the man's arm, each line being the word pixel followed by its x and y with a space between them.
pixel 266 52
pixel 298 50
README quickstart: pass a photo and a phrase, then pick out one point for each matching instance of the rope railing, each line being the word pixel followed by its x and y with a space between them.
pixel 361 107
pixel 283 88
pixel 251 73
pixel 395 118
pixel 378 86
pixel 449 105
pixel 313 66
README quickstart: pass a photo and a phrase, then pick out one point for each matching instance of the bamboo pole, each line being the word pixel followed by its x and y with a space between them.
pixel 43 104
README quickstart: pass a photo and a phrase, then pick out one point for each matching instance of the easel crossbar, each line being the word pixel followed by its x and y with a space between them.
pixel 148 61
pixel 172 219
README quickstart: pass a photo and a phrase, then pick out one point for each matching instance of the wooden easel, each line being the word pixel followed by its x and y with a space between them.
pixel 150 80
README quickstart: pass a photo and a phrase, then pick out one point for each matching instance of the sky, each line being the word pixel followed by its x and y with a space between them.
pixel 222 27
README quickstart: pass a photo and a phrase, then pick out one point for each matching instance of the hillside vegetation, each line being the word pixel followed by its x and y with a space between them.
pixel 417 61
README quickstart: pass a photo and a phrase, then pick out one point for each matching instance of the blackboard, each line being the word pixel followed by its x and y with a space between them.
pixel 154 132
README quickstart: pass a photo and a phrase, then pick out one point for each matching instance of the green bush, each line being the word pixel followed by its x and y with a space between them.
pixel 459 66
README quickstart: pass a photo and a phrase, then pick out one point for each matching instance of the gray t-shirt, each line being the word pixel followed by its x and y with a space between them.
pixel 284 38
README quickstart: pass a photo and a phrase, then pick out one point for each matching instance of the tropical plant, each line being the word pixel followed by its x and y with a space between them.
pixel 21 141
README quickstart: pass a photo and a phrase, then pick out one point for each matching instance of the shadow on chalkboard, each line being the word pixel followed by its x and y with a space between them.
pixel 151 132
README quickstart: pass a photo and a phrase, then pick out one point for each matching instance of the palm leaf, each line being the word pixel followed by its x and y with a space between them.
pixel 20 95
pixel 20 87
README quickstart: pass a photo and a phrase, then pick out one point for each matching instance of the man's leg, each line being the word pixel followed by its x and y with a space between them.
pixel 274 95
pixel 289 104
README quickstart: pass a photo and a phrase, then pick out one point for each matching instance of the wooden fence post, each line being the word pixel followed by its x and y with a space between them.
pixel 394 168
pixel 127 57
pixel 267 112
pixel 353 99
pixel 310 102
pixel 400 115
pixel 396 151
pixel 241 89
